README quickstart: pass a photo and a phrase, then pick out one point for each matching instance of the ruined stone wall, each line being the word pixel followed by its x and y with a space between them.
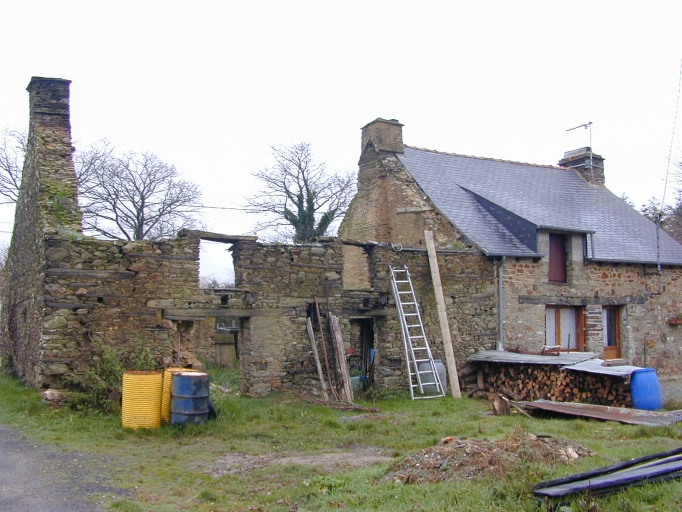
pixel 45 206
pixel 113 293
pixel 281 282
pixel 65 293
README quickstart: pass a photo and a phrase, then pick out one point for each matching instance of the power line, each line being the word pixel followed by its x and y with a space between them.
pixel 672 138
pixel 221 208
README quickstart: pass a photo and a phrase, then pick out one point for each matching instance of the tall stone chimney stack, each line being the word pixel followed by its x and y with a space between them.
pixel 589 165
pixel 385 135
pixel 49 176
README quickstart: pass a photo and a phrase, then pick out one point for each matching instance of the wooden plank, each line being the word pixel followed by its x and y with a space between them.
pixel 414 209
pixel 442 315
pixel 342 366
pixel 324 349
pixel 311 335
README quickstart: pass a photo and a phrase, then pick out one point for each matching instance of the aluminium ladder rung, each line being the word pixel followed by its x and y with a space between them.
pixel 414 343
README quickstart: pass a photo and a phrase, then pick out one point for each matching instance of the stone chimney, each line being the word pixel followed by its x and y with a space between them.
pixel 385 135
pixel 49 176
pixel 589 165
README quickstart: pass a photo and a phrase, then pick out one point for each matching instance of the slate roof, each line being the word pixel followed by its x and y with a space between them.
pixel 500 206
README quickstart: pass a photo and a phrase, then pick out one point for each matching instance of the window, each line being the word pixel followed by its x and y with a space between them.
pixel 611 323
pixel 557 258
pixel 564 327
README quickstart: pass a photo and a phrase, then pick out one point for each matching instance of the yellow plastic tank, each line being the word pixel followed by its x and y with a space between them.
pixel 166 393
pixel 141 399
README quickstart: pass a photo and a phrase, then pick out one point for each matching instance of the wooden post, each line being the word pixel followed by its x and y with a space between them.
pixel 442 316
pixel 311 335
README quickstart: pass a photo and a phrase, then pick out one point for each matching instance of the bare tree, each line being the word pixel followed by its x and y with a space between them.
pixel 12 151
pixel 136 196
pixel 301 198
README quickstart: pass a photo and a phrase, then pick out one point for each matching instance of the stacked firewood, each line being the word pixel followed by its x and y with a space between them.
pixel 547 382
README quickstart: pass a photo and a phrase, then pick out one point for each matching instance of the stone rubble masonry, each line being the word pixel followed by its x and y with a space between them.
pixel 63 292
pixel 391 208
pixel 282 281
pixel 646 337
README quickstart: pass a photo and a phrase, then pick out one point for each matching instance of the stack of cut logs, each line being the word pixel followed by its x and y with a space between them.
pixel 548 382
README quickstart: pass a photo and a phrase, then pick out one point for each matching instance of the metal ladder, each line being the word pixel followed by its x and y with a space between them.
pixel 419 360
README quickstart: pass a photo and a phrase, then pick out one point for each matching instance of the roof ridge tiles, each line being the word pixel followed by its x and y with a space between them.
pixel 487 158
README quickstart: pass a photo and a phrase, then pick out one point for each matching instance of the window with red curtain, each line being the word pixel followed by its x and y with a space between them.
pixel 557 258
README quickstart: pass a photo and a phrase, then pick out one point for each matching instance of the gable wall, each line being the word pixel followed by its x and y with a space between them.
pixel 389 207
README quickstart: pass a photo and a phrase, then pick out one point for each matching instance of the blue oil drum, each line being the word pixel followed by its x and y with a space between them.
pixel 646 390
pixel 189 398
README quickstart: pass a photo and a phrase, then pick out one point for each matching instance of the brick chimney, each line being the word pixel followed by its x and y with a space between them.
pixel 384 134
pixel 589 165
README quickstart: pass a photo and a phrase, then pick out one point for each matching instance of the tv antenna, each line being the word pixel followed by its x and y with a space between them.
pixel 586 126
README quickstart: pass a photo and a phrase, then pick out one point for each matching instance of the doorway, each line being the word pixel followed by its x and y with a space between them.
pixel 611 322
pixel 361 361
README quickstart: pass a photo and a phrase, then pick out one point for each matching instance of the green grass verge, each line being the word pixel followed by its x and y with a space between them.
pixel 168 468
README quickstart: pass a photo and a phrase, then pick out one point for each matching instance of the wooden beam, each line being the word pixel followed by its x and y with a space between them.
pixel 442 316
pixel 215 237
pixel 223 313
pixel 91 274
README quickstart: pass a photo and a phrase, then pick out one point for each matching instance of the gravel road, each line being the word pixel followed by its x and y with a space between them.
pixel 39 478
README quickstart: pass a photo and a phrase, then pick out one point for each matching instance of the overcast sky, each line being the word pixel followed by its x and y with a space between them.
pixel 208 86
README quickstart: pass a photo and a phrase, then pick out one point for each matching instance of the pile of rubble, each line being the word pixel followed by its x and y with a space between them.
pixel 459 458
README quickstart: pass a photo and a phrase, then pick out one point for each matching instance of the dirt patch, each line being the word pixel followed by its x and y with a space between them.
pixel 466 459
pixel 357 456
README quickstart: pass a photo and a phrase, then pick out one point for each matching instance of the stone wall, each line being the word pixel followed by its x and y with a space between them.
pixel 65 293
pixel 278 285
pixel 46 206
pixel 113 293
pixel 281 283
pixel 389 207
pixel 646 301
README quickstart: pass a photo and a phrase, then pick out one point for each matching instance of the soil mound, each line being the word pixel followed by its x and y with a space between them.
pixel 459 458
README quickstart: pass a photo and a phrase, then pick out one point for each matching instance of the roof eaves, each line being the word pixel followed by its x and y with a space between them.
pixel 668 263
pixel 493 254
pixel 567 230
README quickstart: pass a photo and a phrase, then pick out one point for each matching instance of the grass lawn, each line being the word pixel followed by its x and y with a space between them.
pixel 256 455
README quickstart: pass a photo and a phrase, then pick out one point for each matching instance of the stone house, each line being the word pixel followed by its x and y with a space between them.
pixel 529 256
pixel 567 262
